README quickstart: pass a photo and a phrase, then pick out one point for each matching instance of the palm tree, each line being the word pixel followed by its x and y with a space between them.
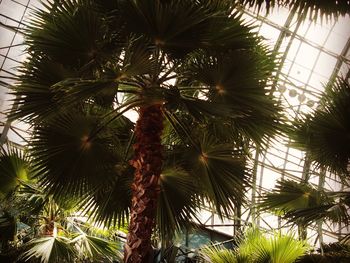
pixel 198 78
pixel 52 233
pixel 59 235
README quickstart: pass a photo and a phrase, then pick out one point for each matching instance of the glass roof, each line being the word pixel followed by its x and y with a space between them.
pixel 313 54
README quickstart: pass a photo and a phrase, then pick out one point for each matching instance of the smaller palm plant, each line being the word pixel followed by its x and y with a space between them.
pixel 256 247
pixel 55 234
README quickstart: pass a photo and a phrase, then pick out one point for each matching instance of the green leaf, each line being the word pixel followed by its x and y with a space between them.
pixel 316 9
pixel 256 247
pixel 14 169
pixel 110 203
pixel 301 203
pixel 218 169
pixel 95 248
pixel 49 250
pixel 325 133
pixel 177 202
pixel 73 33
pixel 236 93
pixel 72 152
pixel 219 254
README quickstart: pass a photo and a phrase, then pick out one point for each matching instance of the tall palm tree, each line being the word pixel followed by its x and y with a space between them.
pixel 198 78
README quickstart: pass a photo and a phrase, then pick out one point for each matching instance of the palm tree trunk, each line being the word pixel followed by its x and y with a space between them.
pixel 145 188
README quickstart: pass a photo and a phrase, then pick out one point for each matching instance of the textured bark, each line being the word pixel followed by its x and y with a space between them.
pixel 145 188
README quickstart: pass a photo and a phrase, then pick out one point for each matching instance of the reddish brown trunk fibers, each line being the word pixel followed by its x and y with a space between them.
pixel 145 188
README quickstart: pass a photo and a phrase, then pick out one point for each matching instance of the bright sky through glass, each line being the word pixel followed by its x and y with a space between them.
pixel 312 52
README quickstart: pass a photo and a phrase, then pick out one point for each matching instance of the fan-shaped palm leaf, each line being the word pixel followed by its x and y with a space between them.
pixel 179 27
pixel 110 204
pixel 50 250
pixel 303 204
pixel 256 247
pixel 71 157
pixel 218 169
pixel 65 41
pixel 34 96
pixel 278 248
pixel 274 249
pixel 219 254
pixel 325 134
pixel 322 8
pixel 73 33
pixel 233 90
pixel 14 168
pixel 95 248
pixel 177 203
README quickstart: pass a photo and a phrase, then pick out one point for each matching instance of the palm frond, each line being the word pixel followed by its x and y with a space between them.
pixel 218 169
pixel 285 248
pixel 227 30
pixel 290 195
pixel 324 134
pixel 302 204
pixel 73 33
pixel 257 247
pixel 70 154
pixel 219 254
pixel 316 9
pixel 34 96
pixel 277 248
pixel 110 203
pixel 236 92
pixel 71 40
pixel 15 168
pixel 95 248
pixel 49 250
pixel 177 201
pixel 175 26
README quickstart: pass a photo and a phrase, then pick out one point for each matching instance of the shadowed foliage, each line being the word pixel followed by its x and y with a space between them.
pixel 325 133
pixel 303 204
pixel 316 8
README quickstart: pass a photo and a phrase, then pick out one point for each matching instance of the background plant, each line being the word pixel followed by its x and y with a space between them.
pixel 257 247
